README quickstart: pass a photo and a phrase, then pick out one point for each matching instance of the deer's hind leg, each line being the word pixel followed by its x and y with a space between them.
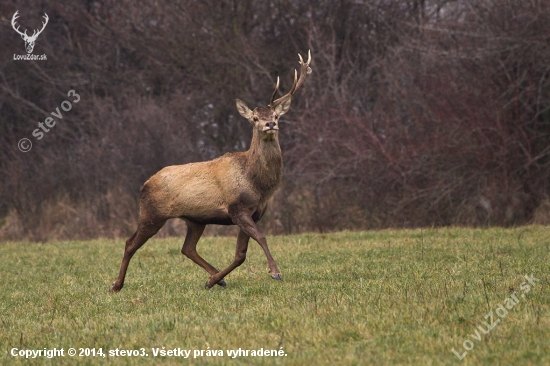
pixel 189 249
pixel 144 231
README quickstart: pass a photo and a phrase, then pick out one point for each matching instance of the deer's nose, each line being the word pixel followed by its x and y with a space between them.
pixel 271 125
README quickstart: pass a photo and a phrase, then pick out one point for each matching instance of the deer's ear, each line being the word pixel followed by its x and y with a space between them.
pixel 283 107
pixel 243 109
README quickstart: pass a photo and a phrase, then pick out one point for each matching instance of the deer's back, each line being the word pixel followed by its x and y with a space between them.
pixel 202 192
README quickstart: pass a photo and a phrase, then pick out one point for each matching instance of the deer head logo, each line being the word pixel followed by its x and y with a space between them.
pixel 29 40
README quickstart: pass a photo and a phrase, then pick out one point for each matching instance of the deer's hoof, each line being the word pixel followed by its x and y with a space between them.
pixel 115 288
pixel 219 283
pixel 277 276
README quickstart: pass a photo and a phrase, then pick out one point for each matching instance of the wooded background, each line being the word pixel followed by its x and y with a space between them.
pixel 417 113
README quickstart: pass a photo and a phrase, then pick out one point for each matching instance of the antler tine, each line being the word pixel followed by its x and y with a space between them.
pixel 47 18
pixel 274 92
pixel 43 24
pixel 294 83
pixel 13 19
pixel 304 71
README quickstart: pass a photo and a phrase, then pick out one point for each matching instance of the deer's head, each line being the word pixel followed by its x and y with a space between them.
pixel 266 119
pixel 29 40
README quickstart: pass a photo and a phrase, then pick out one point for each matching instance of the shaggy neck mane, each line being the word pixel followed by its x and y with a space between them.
pixel 265 162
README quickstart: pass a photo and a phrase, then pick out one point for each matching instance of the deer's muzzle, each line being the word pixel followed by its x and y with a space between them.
pixel 271 126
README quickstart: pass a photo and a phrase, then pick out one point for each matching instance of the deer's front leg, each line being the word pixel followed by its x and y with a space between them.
pixel 248 226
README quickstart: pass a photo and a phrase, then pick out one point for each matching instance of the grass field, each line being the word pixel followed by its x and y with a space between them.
pixel 352 298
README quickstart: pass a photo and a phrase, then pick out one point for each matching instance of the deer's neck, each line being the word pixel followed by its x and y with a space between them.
pixel 265 164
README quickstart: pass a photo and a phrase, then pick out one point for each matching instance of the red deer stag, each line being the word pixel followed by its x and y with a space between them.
pixel 230 190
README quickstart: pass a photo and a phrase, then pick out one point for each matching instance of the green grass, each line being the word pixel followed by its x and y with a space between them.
pixel 352 298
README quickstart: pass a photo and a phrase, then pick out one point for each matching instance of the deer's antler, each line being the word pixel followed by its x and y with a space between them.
pixel 35 34
pixel 43 26
pixel 304 71
pixel 15 16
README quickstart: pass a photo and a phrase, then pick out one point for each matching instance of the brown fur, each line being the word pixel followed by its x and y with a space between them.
pixel 231 190
pixel 224 191
pixel 204 192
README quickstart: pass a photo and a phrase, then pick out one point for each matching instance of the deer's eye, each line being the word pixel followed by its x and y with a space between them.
pixel 276 116
pixel 255 119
